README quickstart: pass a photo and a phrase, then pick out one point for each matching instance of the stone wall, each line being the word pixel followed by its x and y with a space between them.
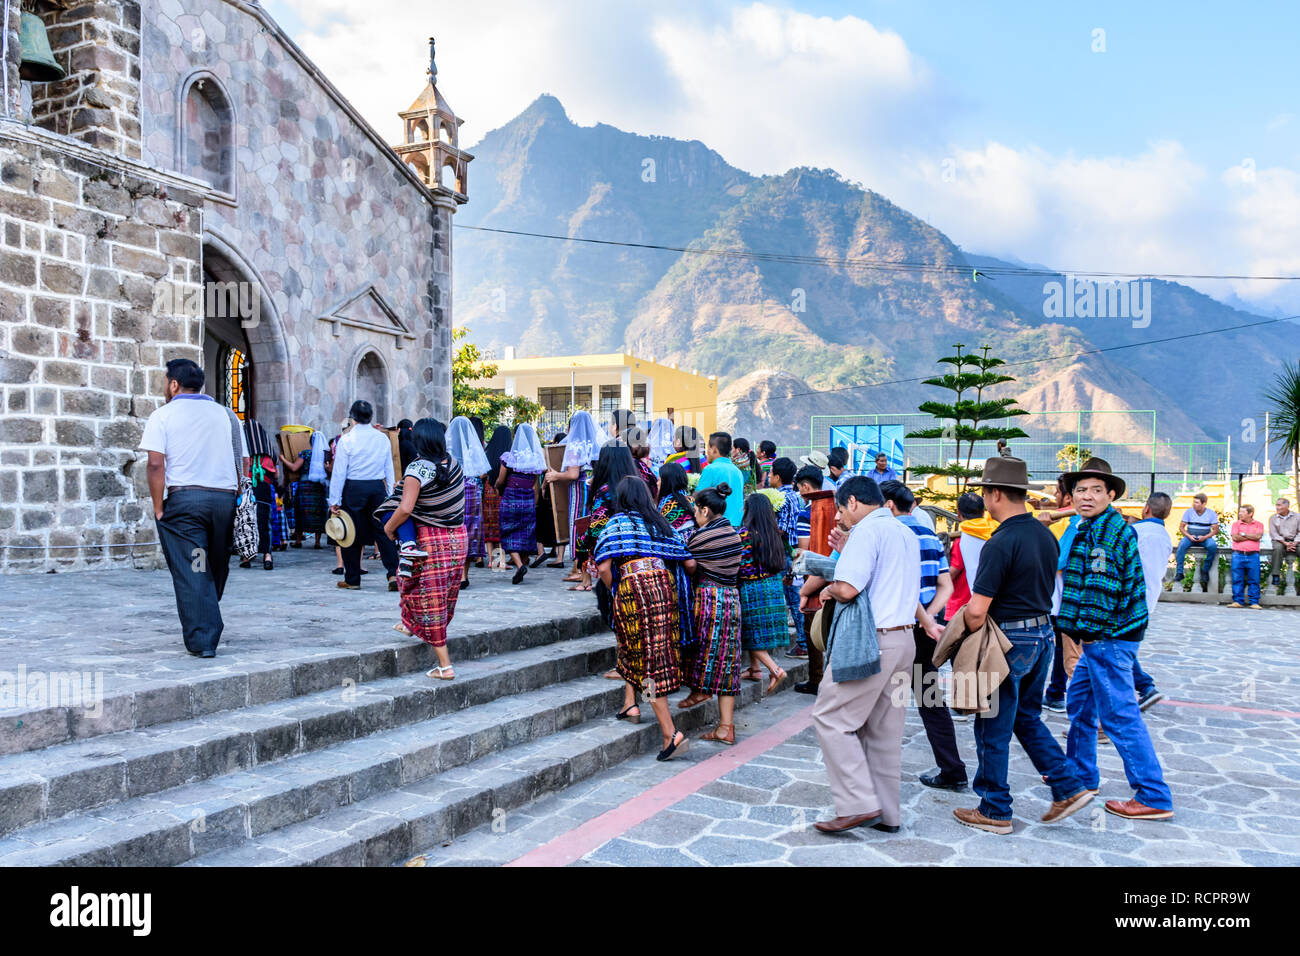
pixel 98 43
pixel 319 211
pixel 83 241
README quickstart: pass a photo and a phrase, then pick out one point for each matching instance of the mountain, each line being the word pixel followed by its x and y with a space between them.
pixel 777 327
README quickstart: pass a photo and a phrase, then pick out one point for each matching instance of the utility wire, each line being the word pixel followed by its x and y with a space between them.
pixel 883 265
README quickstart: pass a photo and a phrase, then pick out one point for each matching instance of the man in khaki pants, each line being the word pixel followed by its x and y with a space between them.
pixel 859 722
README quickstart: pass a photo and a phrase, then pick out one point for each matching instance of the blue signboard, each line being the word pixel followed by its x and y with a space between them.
pixel 864 442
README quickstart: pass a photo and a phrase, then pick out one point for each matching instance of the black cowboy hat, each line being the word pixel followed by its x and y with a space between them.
pixel 1095 468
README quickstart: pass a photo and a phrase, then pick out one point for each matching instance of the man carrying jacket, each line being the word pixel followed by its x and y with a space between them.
pixel 1013 588
pixel 1104 605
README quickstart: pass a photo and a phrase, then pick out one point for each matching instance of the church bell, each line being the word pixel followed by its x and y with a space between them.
pixel 38 63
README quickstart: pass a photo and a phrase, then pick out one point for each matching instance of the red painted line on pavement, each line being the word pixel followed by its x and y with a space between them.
pixel 597 831
pixel 1231 710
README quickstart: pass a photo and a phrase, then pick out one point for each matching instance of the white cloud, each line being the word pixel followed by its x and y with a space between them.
pixel 771 88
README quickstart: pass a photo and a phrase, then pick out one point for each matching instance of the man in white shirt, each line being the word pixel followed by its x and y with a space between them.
pixel 192 444
pixel 359 483
pixel 859 725
pixel 1154 548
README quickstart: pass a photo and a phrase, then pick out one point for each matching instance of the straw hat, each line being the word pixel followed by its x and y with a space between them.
pixel 1003 471
pixel 1095 468
pixel 340 529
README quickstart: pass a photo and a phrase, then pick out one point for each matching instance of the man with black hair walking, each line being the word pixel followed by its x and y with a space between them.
pixel 869 650
pixel 359 483
pixel 927 690
pixel 196 457
pixel 1013 589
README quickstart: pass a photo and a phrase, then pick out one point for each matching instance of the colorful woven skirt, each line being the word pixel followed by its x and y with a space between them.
pixel 646 625
pixel 491 514
pixel 579 493
pixel 474 517
pixel 519 515
pixel 429 595
pixel 716 664
pixel 309 507
pixel 763 614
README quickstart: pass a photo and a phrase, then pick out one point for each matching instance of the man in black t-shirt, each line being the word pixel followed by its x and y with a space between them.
pixel 1013 588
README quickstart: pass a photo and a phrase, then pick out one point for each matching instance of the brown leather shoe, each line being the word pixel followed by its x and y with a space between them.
pixel 1060 809
pixel 973 818
pixel 1132 810
pixel 840 824
pixel 349 587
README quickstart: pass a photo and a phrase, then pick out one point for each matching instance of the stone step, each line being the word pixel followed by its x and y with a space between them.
pixel 419 815
pixel 238 680
pixel 167 828
pixel 56 781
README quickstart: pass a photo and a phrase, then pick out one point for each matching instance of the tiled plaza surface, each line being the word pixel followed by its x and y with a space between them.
pixel 1228 737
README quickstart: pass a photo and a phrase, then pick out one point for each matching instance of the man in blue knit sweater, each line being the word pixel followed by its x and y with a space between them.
pixel 1103 605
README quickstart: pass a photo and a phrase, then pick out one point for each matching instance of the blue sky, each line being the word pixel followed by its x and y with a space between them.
pixel 1174 150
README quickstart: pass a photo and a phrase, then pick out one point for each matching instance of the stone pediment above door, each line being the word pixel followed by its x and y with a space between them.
pixel 366 308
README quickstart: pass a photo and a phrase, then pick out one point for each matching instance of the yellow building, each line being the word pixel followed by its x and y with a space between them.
pixel 603 383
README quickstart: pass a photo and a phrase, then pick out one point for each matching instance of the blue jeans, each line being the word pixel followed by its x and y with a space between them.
pixel 1211 554
pixel 1056 686
pixel 1102 689
pixel 1245 572
pixel 1019 709
pixel 1142 681
pixel 406 531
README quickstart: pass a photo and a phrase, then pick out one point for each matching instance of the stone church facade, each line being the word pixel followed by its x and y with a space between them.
pixel 194 187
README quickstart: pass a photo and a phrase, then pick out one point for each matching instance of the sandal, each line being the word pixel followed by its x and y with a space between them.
pixel 695 697
pixel 752 673
pixel 579 587
pixel 440 672
pixel 777 676
pixel 728 738
pixel 630 717
pixel 612 675
pixel 401 628
pixel 674 748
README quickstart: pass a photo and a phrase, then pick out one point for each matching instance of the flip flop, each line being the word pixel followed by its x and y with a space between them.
pixel 579 587
pixel 440 673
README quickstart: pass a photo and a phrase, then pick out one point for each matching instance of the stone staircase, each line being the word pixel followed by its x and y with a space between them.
pixel 349 758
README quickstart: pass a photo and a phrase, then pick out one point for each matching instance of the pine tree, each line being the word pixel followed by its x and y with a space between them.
pixel 972 374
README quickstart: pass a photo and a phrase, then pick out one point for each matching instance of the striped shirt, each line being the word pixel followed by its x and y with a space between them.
pixel 1103 591
pixel 716 549
pixel 933 561
pixel 441 503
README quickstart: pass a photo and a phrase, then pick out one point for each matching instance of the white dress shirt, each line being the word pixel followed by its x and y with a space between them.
pixel 883 558
pixel 1154 547
pixel 363 454
pixel 192 433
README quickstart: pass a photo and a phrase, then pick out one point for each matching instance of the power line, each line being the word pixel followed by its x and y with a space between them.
pixel 881 265
pixel 1050 358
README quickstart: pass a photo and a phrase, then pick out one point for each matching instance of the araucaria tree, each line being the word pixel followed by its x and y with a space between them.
pixel 966 414
pixel 467 367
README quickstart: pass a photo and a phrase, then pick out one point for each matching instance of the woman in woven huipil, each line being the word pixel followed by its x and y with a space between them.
pixel 640 559
pixel 715 563
pixel 464 446
pixel 582 444
pixel 497 446
pixel 524 462
pixel 674 499
pixel 763 611
pixel 432 494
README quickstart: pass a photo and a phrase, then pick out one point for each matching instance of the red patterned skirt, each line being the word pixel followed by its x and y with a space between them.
pixel 429 595
pixel 491 514
pixel 646 624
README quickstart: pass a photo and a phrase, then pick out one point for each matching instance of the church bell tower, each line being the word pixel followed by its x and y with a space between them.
pixel 431 141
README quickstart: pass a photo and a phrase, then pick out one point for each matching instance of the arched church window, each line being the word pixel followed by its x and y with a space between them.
pixel 208 134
